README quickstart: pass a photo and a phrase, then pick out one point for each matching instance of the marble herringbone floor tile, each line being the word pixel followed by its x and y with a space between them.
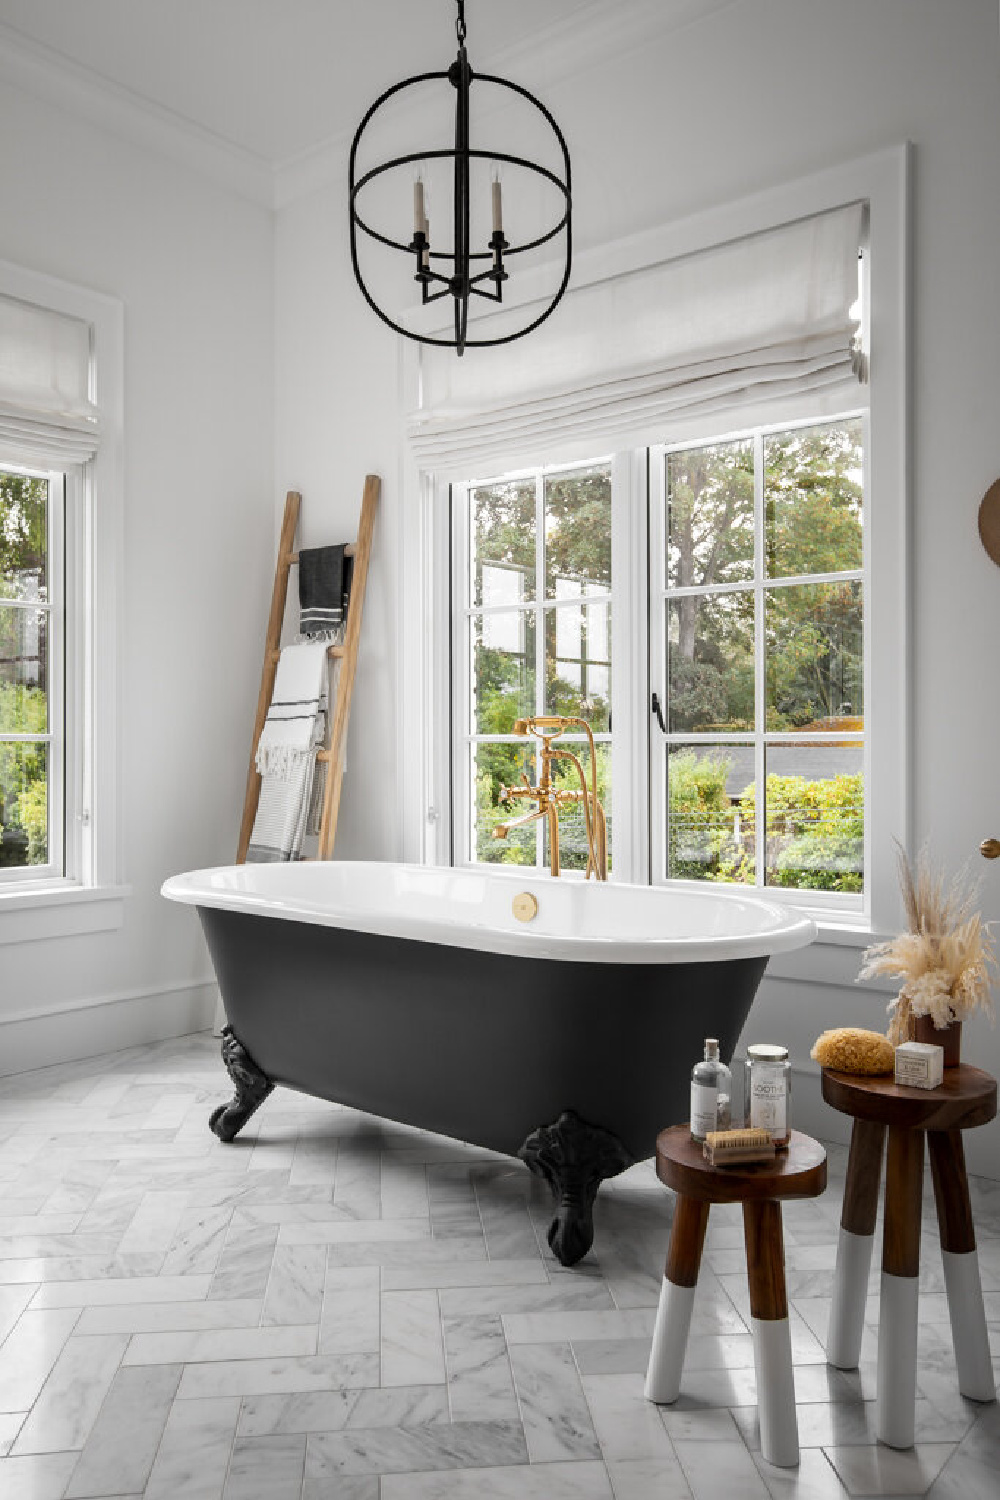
pixel 338 1306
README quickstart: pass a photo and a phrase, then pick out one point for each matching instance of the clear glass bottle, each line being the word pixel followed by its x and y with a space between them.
pixel 711 1093
pixel 769 1089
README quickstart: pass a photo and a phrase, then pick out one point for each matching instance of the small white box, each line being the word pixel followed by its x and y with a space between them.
pixel 919 1065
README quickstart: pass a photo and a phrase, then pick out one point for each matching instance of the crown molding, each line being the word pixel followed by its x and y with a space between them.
pixel 550 55
pixel 38 70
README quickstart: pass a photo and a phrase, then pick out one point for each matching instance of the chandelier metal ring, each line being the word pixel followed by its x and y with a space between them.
pixel 451 272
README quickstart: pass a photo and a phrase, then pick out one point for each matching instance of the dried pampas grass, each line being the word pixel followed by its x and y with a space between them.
pixel 946 958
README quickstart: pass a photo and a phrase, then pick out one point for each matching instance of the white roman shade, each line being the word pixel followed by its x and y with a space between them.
pixel 635 357
pixel 46 414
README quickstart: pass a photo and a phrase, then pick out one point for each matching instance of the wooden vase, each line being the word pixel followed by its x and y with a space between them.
pixel 948 1037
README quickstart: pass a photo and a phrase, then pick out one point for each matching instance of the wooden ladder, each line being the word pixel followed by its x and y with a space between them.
pixel 333 755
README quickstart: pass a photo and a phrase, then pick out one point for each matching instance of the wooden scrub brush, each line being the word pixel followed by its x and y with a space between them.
pixel 724 1148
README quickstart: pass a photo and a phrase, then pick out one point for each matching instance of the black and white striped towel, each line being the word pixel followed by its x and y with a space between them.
pixel 294 730
pixel 324 584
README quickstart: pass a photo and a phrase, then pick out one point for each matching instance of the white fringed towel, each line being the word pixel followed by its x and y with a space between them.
pixel 293 731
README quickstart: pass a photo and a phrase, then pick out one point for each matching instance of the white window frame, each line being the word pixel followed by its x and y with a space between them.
pixel 829 906
pixel 882 180
pixel 89 894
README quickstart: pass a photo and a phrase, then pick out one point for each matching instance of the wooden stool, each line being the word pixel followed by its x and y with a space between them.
pixel 798 1172
pixel 967 1097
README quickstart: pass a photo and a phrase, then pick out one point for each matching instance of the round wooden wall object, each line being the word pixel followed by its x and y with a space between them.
pixel 989 521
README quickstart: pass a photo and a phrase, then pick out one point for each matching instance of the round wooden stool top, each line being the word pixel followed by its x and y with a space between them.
pixel 967 1097
pixel 798 1171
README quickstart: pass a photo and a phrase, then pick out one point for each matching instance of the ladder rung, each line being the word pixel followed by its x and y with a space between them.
pixel 330 651
pixel 349 551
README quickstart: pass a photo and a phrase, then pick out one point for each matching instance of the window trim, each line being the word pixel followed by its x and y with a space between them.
pixel 882 179
pixel 88 897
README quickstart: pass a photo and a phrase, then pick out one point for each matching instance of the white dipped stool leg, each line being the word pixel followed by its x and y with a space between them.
pixel 854 1247
pixel 772 1342
pixel 673 1314
pixel 961 1266
pixel 897 1325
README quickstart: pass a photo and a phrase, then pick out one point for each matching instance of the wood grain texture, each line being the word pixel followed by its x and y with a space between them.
pixel 798 1172
pixel 967 1097
pixel 904 1175
pixel 864 1177
pixel 951 1191
pixel 687 1240
pixel 272 643
pixel 765 1259
pixel 989 521
pixel 348 667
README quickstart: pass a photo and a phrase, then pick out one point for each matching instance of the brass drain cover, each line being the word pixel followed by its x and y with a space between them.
pixel 524 906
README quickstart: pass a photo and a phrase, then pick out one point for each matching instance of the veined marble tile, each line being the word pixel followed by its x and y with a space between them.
pixel 11 1423
pixel 403 1189
pixel 423 1252
pixel 586 1294
pixel 295 1286
pixel 351 1310
pixel 349 1487
pixel 269 1468
pixel 412 1352
pixel 198 1242
pixel 67 1407
pixel 245 1263
pixel 257 1377
pixel 353 1231
pixel 383 1450
pixel 14 1225
pixel 480 1383
pixel 44 1246
pixel 13 1301
pixel 220 1344
pixel 358 1185
pixel 561 1327
pixel 29 1353
pixel 38 1477
pixel 78 1268
pixel 464 1273
pixel 169 1317
pixel 122 1444
pixel 659 1478
pixel 315 1161
pixel 612 1356
pixel 193 1456
pixel 331 1411
pixel 155 1222
pixel 557 1421
pixel 692 1424
pixel 875 1469
pixel 563 1481
pixel 815 1478
pixel 100 1292
pixel 719 1472
pixel 627 1425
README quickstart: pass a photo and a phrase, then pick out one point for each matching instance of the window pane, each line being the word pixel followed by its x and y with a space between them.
pixel 578 660
pixel 815 666
pixel 578 532
pixel 573 846
pixel 813 485
pixel 710 532
pixel 815 816
pixel 23 505
pixel 710 813
pixel 710 663
pixel 23 670
pixel 503 665
pixel 495 767
pixel 503 543
pixel 23 810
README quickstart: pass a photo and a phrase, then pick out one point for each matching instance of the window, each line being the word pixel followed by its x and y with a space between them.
pixel 533 636
pixel 32 670
pixel 758 640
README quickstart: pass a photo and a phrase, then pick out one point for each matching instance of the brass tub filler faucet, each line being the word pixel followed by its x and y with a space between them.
pixel 546 729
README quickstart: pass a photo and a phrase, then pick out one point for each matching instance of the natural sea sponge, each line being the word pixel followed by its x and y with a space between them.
pixel 850 1049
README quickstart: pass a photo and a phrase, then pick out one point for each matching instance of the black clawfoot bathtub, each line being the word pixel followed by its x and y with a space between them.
pixel 417 994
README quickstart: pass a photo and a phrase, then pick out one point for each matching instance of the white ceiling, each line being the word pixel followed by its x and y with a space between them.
pixel 277 78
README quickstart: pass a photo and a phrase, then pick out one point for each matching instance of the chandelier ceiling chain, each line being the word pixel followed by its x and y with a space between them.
pixel 453 274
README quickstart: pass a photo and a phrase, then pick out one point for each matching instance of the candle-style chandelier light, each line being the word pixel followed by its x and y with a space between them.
pixel 457 272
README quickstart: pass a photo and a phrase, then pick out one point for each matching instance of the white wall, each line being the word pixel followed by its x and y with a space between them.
pixel 754 95
pixel 193 266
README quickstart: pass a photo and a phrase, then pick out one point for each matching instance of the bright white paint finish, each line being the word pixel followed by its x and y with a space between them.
pixel 670 1336
pixel 577 920
pixel 968 1325
pixel 772 1359
pixel 897 1360
pixel 850 1288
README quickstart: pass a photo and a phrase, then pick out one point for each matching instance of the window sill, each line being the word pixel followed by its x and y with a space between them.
pixel 60 909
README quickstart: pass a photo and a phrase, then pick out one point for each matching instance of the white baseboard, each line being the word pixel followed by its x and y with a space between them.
pixel 110 1023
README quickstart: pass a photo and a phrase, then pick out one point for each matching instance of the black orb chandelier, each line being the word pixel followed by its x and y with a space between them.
pixel 458 272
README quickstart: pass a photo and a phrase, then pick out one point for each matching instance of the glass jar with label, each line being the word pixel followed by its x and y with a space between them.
pixel 711 1088
pixel 769 1091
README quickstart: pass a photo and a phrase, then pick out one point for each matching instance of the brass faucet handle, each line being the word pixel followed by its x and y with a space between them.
pixel 990 848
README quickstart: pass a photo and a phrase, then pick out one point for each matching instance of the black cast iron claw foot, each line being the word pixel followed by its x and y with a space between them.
pixel 251 1085
pixel 574 1158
